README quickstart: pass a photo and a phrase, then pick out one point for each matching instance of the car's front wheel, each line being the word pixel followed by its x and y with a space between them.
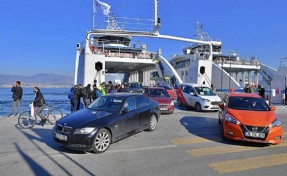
pixel 197 107
pixel 102 141
pixel 152 123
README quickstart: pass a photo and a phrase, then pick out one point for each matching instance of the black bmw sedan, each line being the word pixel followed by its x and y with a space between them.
pixel 108 119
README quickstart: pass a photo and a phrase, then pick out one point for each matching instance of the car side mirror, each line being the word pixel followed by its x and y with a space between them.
pixel 125 110
pixel 273 108
pixel 191 93
pixel 221 105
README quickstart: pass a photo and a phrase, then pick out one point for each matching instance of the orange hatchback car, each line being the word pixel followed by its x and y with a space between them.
pixel 248 117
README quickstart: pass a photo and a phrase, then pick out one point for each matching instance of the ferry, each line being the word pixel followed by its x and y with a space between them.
pixel 109 50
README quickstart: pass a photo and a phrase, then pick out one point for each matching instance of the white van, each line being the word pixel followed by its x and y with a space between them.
pixel 201 97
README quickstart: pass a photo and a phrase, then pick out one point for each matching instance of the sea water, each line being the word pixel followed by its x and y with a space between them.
pixel 57 97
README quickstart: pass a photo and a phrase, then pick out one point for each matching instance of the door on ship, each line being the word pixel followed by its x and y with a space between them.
pixel 140 76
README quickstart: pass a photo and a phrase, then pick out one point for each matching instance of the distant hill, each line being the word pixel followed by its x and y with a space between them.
pixel 41 80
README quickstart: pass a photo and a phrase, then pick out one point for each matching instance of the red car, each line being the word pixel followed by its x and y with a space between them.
pixel 171 92
pixel 160 95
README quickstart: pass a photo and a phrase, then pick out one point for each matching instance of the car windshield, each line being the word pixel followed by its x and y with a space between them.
pixel 166 87
pixel 107 103
pixel 135 85
pixel 205 91
pixel 248 103
pixel 158 93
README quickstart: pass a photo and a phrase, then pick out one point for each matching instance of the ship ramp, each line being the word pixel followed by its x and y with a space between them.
pixel 166 74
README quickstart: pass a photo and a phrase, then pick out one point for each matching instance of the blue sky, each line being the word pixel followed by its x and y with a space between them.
pixel 40 36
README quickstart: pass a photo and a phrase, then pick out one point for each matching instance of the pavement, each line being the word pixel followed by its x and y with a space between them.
pixel 184 143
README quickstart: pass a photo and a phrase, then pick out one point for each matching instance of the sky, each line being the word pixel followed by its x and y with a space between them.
pixel 40 36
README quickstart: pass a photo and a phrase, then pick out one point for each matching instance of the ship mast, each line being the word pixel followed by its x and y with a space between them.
pixel 156 18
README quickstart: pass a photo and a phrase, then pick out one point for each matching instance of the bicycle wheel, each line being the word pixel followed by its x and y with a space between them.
pixel 54 115
pixel 25 120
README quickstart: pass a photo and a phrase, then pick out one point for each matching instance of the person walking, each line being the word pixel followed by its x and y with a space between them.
pixel 86 91
pixel 16 96
pixel 39 102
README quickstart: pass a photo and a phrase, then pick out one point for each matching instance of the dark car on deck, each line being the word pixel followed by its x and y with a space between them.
pixel 108 119
pixel 135 87
pixel 161 95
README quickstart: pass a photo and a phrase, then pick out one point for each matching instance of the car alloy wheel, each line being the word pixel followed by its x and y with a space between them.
pixel 102 141
pixel 152 123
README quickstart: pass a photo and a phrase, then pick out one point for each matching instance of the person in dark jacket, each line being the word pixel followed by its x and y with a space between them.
pixel 16 96
pixel 96 93
pixel 247 89
pixel 261 91
pixel 86 91
pixel 71 97
pixel 77 96
pixel 39 102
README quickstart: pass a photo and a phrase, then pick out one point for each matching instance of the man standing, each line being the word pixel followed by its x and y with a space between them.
pixel 16 96
pixel 247 89
pixel 96 93
pixel 86 91
pixel 261 91
pixel 77 96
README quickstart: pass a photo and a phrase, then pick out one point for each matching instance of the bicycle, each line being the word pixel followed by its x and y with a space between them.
pixel 25 120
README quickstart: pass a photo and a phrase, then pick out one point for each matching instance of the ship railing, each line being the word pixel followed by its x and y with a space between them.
pixel 121 54
pixel 229 53
pixel 126 24
pixel 220 61
pixel 101 43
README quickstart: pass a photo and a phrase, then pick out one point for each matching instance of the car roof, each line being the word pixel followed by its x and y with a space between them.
pixel 123 94
pixel 244 95
pixel 156 88
pixel 193 85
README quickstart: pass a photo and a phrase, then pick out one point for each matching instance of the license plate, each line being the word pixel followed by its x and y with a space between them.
pixel 255 134
pixel 215 106
pixel 61 137
pixel 163 109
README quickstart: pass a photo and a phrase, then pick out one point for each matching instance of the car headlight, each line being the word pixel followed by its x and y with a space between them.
pixel 205 100
pixel 276 123
pixel 84 130
pixel 171 103
pixel 230 119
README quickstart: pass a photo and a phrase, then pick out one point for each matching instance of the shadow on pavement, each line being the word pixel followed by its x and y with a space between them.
pixel 46 137
pixel 208 128
pixel 35 167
